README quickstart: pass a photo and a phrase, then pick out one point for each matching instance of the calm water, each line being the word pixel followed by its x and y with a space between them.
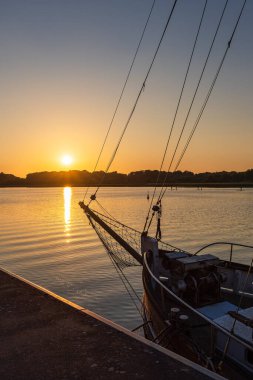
pixel 45 237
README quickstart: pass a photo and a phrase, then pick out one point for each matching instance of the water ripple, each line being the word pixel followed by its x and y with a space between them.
pixel 45 237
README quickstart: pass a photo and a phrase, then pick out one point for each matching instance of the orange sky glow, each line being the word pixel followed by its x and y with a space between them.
pixel 61 78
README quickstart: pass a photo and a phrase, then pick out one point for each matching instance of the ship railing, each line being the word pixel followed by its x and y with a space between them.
pixel 185 305
pixel 231 246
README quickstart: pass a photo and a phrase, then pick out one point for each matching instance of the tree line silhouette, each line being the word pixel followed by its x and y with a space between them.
pixel 138 178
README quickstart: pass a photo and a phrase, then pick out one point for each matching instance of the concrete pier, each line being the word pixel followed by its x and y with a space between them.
pixel 46 337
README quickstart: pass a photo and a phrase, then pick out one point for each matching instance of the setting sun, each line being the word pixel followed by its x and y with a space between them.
pixel 66 160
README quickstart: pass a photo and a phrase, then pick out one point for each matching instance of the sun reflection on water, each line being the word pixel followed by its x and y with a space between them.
pixel 67 193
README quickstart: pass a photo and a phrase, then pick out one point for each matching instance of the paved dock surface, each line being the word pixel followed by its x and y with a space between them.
pixel 44 337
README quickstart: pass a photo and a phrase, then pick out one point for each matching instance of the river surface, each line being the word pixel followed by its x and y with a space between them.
pixel 46 238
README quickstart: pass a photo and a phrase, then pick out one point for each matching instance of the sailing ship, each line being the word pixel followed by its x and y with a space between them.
pixel 196 304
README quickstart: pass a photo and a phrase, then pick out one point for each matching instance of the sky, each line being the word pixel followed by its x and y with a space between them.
pixel 63 65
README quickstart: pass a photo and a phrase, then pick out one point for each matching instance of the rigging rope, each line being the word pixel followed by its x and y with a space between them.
pixel 194 95
pixel 138 97
pixel 106 211
pixel 125 281
pixel 176 112
pixel 207 97
pixel 128 234
pixel 164 186
pixel 119 264
pixel 122 92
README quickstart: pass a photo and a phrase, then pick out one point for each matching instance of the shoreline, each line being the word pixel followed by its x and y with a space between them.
pixel 172 185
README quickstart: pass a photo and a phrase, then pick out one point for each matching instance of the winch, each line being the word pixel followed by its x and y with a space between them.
pixel 193 278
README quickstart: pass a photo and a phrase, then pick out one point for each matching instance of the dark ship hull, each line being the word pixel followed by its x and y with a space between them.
pixel 197 305
pixel 201 308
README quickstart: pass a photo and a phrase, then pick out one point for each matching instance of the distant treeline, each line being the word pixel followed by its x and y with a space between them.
pixel 139 178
